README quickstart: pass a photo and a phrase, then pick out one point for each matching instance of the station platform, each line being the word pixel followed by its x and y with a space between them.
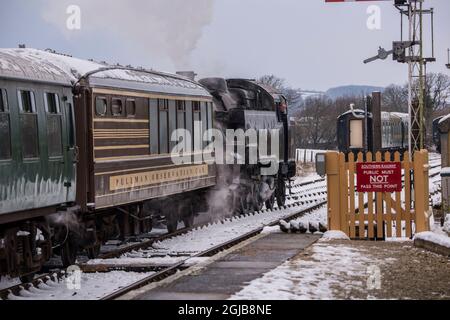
pixel 231 272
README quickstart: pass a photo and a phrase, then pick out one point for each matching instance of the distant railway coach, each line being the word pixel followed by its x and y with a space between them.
pixel 355 132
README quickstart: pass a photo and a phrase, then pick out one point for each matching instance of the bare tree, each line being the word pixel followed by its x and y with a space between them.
pixel 395 98
pixel 273 81
pixel 293 96
pixel 317 120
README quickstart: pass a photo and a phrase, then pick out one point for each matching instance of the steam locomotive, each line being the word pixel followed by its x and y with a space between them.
pixel 86 153
pixel 355 135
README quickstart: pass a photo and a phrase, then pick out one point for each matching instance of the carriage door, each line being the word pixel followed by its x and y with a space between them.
pixel 356 134
pixel 58 144
pixel 70 148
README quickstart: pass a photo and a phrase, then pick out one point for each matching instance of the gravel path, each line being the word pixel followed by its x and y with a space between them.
pixel 356 270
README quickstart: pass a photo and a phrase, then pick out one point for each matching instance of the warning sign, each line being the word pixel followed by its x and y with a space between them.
pixel 379 177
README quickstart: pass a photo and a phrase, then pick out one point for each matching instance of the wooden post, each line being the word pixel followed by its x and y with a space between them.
pixel 333 195
pixel 351 173
pixel 426 194
pixel 407 190
pixel 387 200
pixel 361 210
pixel 370 216
pixel 379 211
pixel 420 205
pixel 343 194
pixel 398 205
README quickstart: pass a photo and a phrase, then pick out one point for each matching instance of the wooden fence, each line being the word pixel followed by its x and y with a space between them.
pixel 376 215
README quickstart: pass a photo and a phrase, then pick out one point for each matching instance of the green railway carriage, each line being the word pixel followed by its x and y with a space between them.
pixel 37 164
pixel 85 154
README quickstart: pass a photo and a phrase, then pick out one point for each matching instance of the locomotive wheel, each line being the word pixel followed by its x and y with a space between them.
pixel 69 252
pixel 172 224
pixel 94 251
pixel 258 204
pixel 281 193
pixel 271 202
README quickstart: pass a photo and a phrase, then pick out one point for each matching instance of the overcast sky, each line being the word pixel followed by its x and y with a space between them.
pixel 311 44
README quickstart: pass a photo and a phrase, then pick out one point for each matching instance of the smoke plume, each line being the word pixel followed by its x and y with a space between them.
pixel 155 28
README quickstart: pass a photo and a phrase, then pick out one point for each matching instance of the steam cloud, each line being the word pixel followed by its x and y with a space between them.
pixel 162 28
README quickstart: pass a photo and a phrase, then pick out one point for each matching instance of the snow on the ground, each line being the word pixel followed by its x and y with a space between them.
pixel 436 238
pixel 334 235
pixel 446 227
pixel 203 238
pixel 268 230
pixel 317 216
pixel 94 286
pixel 320 276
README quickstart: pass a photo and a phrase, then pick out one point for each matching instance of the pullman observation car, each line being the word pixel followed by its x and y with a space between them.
pixel 352 136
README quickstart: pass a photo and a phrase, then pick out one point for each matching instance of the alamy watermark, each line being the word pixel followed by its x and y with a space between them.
pixel 374 19
pixel 73 278
pixel 374 279
pixel 73 21
pixel 213 146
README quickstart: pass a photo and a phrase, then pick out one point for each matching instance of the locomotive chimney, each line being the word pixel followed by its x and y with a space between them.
pixel 187 74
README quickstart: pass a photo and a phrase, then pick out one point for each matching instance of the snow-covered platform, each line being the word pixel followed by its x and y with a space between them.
pixel 229 274
pixel 279 266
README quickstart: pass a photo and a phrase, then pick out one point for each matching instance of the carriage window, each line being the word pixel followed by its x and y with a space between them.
pixel 28 124
pixel 54 136
pixel 197 126
pixel 181 106
pixel 196 106
pixel 116 108
pixel 52 103
pixel 163 106
pixel 5 141
pixel 131 108
pixel 27 102
pixel 101 106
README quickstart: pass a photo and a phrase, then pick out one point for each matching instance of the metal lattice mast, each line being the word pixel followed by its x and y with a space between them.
pixel 416 66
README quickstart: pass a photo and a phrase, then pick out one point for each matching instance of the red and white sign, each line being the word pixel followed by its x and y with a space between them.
pixel 379 177
pixel 352 0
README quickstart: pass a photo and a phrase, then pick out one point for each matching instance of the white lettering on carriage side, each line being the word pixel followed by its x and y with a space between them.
pixel 73 21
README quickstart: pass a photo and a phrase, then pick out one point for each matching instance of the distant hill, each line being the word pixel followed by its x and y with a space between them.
pixel 352 90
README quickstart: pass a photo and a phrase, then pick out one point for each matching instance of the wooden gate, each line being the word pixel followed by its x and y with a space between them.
pixel 377 215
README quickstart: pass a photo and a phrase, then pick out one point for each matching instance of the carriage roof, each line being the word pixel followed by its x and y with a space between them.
pixel 49 67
